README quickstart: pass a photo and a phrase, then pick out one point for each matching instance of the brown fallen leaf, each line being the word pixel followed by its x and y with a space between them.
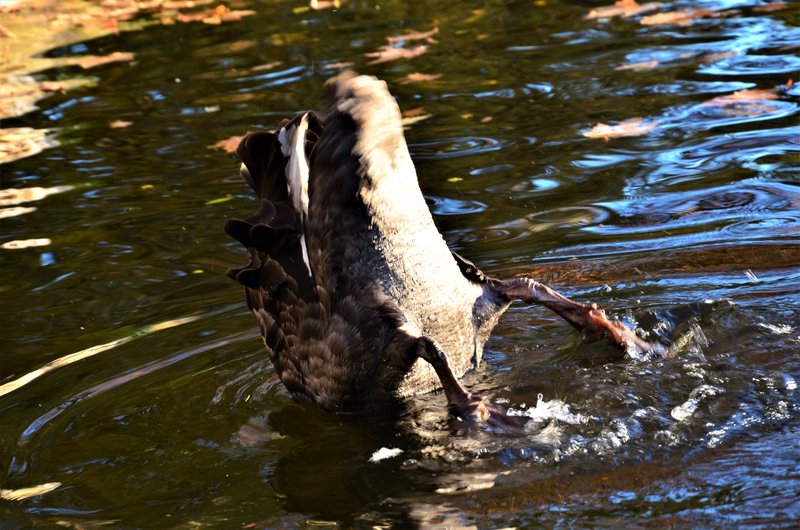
pixel 769 8
pixel 623 8
pixel 237 14
pixel 683 17
pixel 90 61
pixel 749 95
pixel 213 16
pixel 182 4
pixel 391 53
pixel 638 67
pixel 717 56
pixel 339 65
pixel 413 35
pixel 266 66
pixel 120 124
pixel 412 116
pixel 625 128
pixel 228 16
pixel 749 102
pixel 414 113
pixel 58 86
pixel 416 77
pixel 316 5
pixel 229 145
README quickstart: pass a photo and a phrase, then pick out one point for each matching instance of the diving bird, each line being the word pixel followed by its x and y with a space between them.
pixel 358 298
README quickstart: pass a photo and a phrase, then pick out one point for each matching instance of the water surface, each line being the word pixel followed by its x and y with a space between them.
pixel 154 404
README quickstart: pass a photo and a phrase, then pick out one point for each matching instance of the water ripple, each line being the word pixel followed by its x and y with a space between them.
pixel 701 157
pixel 749 202
pixel 450 206
pixel 445 148
pixel 753 65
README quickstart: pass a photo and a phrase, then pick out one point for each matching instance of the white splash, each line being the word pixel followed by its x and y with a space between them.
pixel 383 453
pixel 780 329
pixel 687 408
pixel 549 410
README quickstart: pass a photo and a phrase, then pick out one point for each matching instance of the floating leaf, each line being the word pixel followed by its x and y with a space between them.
pixel 91 61
pixel 417 77
pixel 214 16
pixel 717 56
pixel 769 8
pixel 266 66
pixel 391 53
pixel 317 5
pixel 413 35
pixel 631 127
pixel 25 243
pixel 229 145
pixel 339 65
pixel 623 8
pixel 26 493
pixel 683 17
pixel 412 116
pixel 638 67
pixel 176 4
pixel 749 95
pixel 748 103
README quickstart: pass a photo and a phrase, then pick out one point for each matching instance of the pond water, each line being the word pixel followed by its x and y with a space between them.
pixel 135 392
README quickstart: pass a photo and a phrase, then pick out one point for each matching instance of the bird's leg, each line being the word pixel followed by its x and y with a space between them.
pixel 588 318
pixel 463 404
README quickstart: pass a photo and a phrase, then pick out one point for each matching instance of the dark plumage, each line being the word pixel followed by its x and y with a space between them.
pixel 357 296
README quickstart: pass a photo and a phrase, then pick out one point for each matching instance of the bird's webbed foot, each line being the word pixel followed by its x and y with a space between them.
pixel 585 317
pixel 467 407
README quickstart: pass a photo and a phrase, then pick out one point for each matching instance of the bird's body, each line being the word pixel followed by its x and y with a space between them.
pixel 356 293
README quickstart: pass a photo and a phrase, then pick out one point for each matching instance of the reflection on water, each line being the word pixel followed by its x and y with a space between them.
pixel 134 389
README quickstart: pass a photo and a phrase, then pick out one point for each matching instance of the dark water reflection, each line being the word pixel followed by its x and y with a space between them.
pixel 131 374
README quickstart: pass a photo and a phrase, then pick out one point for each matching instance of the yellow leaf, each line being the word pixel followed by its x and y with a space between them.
pixel 26 493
